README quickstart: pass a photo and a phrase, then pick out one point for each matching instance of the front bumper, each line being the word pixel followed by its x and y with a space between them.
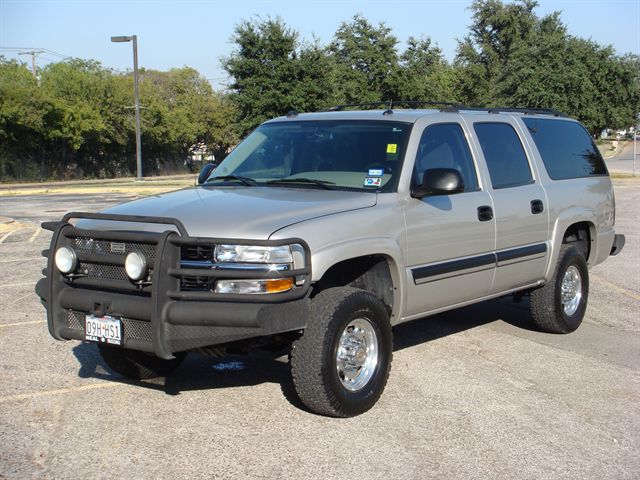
pixel 161 316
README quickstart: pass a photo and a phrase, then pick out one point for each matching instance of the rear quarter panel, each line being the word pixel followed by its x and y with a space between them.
pixel 570 201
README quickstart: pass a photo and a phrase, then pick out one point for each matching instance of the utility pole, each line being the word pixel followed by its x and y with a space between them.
pixel 33 54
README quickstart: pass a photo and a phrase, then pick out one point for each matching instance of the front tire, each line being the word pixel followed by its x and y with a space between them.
pixel 340 364
pixel 559 306
pixel 138 365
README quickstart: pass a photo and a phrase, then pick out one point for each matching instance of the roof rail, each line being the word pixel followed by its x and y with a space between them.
pixel 446 107
pixel 391 103
pixel 528 111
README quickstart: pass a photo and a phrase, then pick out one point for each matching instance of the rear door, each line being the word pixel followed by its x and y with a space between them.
pixel 450 244
pixel 520 205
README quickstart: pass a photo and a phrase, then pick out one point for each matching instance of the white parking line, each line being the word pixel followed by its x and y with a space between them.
pixel 35 235
pixel 623 291
pixel 47 393
pixel 17 324
pixel 17 284
pixel 8 234
pixel 22 260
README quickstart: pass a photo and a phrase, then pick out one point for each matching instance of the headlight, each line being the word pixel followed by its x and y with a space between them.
pixel 66 260
pixel 253 254
pixel 136 266
pixel 254 286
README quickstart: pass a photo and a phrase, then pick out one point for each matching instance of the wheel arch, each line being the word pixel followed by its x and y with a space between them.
pixel 377 272
pixel 573 227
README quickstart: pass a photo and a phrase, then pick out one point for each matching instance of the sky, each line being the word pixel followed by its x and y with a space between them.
pixel 197 33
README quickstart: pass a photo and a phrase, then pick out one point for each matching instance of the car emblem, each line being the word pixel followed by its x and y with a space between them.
pixel 117 247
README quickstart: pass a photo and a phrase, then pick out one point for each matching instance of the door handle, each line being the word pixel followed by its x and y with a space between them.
pixel 537 206
pixel 485 213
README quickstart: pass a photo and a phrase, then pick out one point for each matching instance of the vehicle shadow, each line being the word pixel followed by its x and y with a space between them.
pixel 200 372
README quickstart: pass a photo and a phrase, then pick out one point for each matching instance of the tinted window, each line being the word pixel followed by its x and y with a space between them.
pixel 445 146
pixel 503 152
pixel 566 148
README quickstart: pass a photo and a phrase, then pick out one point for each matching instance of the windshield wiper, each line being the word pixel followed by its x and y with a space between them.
pixel 225 178
pixel 320 183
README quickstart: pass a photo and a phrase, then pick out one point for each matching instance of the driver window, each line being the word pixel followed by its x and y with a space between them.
pixel 445 146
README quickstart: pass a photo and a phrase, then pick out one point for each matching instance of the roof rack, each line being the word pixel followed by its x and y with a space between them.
pixel 446 107
pixel 528 111
pixel 390 104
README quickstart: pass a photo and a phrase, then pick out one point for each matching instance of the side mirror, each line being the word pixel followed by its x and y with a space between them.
pixel 439 181
pixel 205 172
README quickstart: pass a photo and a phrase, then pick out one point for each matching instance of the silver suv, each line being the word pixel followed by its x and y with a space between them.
pixel 322 231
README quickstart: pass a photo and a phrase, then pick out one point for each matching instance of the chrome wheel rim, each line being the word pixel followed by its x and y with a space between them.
pixel 357 354
pixel 571 290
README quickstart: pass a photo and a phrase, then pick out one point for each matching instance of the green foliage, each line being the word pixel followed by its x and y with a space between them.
pixel 425 74
pixel 274 73
pixel 365 60
pixel 78 120
pixel 512 57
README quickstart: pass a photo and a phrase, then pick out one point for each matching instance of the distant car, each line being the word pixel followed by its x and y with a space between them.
pixel 321 231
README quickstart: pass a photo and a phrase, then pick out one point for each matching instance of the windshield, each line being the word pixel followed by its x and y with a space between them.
pixel 361 155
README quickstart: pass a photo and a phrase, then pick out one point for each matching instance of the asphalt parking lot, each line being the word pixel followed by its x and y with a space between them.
pixel 474 393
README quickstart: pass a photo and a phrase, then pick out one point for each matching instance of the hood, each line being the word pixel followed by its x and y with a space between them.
pixel 235 212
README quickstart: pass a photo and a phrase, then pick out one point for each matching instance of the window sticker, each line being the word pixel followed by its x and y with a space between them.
pixel 376 172
pixel 392 147
pixel 372 182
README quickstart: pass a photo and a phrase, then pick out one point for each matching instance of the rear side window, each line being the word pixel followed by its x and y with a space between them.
pixel 566 148
pixel 504 154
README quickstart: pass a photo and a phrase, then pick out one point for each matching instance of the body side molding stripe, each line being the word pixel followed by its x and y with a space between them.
pixel 455 266
pixel 521 252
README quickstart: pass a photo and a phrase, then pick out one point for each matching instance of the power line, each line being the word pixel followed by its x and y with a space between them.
pixel 28 49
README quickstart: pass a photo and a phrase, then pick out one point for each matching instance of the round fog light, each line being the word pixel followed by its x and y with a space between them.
pixel 66 260
pixel 136 266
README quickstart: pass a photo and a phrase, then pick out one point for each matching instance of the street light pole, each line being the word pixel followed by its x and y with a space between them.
pixel 136 94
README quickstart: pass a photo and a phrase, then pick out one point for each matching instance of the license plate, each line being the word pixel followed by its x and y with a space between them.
pixel 103 329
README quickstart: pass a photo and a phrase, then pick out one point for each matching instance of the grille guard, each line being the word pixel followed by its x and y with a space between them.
pixel 162 302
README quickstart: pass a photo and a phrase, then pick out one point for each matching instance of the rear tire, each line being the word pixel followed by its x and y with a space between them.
pixel 138 365
pixel 559 306
pixel 340 364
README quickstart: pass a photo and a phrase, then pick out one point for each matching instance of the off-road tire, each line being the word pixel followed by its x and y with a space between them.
pixel 546 305
pixel 138 365
pixel 313 355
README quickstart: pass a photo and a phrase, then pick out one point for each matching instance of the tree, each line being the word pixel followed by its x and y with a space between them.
pixel 78 120
pixel 514 58
pixel 93 131
pixel 273 73
pixel 181 111
pixel 365 60
pixel 424 73
pixel 26 117
pixel 498 32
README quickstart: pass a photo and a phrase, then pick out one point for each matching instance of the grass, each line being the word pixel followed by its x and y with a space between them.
pixel 143 188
